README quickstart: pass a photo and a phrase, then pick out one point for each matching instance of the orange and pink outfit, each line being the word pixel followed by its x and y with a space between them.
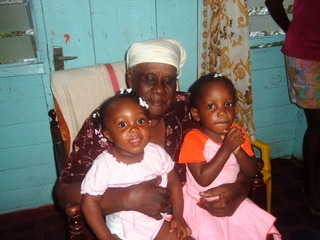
pixel 248 222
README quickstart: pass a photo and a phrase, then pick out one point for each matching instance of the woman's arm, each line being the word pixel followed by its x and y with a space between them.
pixel 146 197
pixel 278 13
pixel 230 196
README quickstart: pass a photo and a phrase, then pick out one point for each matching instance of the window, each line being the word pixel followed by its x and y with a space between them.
pixel 17 42
pixel 262 24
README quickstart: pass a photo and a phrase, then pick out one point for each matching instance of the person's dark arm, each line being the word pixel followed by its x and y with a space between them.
pixel 146 197
pixel 230 196
pixel 278 13
pixel 65 194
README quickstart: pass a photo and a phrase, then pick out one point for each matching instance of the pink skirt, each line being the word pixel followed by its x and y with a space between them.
pixel 249 222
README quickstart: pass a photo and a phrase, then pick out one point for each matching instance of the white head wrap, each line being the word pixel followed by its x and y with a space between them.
pixel 161 50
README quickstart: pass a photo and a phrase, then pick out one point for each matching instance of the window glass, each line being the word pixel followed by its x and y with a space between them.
pixel 17 42
pixel 261 22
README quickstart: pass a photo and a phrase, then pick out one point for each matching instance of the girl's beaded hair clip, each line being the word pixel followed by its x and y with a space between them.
pixel 217 75
pixel 128 91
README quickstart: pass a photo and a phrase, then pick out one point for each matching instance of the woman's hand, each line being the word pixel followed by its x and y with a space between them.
pixel 228 198
pixel 147 197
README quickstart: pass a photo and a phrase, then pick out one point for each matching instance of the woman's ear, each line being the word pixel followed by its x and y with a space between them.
pixel 129 75
pixel 195 114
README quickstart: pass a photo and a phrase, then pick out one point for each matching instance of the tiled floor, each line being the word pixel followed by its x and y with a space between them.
pixel 295 222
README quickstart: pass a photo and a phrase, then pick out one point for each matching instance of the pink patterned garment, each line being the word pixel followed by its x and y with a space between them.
pixel 90 142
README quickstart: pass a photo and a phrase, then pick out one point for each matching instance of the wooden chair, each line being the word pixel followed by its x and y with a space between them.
pixel 97 83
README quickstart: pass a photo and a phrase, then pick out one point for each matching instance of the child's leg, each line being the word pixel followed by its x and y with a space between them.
pixel 165 234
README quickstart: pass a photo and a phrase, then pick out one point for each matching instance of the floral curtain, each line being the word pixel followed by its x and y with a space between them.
pixel 225 49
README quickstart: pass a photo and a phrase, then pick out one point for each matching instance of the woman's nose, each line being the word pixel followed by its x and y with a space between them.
pixel 159 87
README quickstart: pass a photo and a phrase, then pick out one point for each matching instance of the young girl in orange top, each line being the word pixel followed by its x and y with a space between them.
pixel 214 153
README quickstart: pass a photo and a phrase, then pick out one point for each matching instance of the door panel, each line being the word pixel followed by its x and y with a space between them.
pixel 118 24
pixel 179 19
pixel 100 31
pixel 68 25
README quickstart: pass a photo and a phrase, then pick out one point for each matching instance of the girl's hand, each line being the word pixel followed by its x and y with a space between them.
pixel 233 139
pixel 180 226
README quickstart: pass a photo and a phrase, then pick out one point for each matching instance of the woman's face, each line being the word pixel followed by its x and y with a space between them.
pixel 156 83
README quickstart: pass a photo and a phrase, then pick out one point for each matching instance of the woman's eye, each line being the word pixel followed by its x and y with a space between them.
pixel 170 81
pixel 150 79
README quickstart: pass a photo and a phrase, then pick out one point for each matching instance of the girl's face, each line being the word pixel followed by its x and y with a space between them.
pixel 215 109
pixel 156 83
pixel 127 126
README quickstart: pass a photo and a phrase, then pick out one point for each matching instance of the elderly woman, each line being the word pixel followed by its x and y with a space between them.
pixel 153 68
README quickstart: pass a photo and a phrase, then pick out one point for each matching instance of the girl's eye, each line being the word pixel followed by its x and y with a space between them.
pixel 210 106
pixel 122 124
pixel 229 104
pixel 141 121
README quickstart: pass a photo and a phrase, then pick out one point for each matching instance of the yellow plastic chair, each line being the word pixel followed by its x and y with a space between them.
pixel 266 171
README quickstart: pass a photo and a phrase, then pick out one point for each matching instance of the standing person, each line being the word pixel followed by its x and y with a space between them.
pixel 153 68
pixel 131 159
pixel 214 154
pixel 301 49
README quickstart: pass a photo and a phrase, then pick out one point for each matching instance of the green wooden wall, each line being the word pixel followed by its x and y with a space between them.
pixel 278 122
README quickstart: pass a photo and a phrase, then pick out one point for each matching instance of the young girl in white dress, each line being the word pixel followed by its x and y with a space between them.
pixel 130 160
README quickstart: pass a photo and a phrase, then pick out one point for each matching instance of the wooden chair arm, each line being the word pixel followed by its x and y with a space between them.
pixel 76 223
pixel 77 227
pixel 60 153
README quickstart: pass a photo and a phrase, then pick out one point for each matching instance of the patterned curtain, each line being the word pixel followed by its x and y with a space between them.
pixel 225 49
